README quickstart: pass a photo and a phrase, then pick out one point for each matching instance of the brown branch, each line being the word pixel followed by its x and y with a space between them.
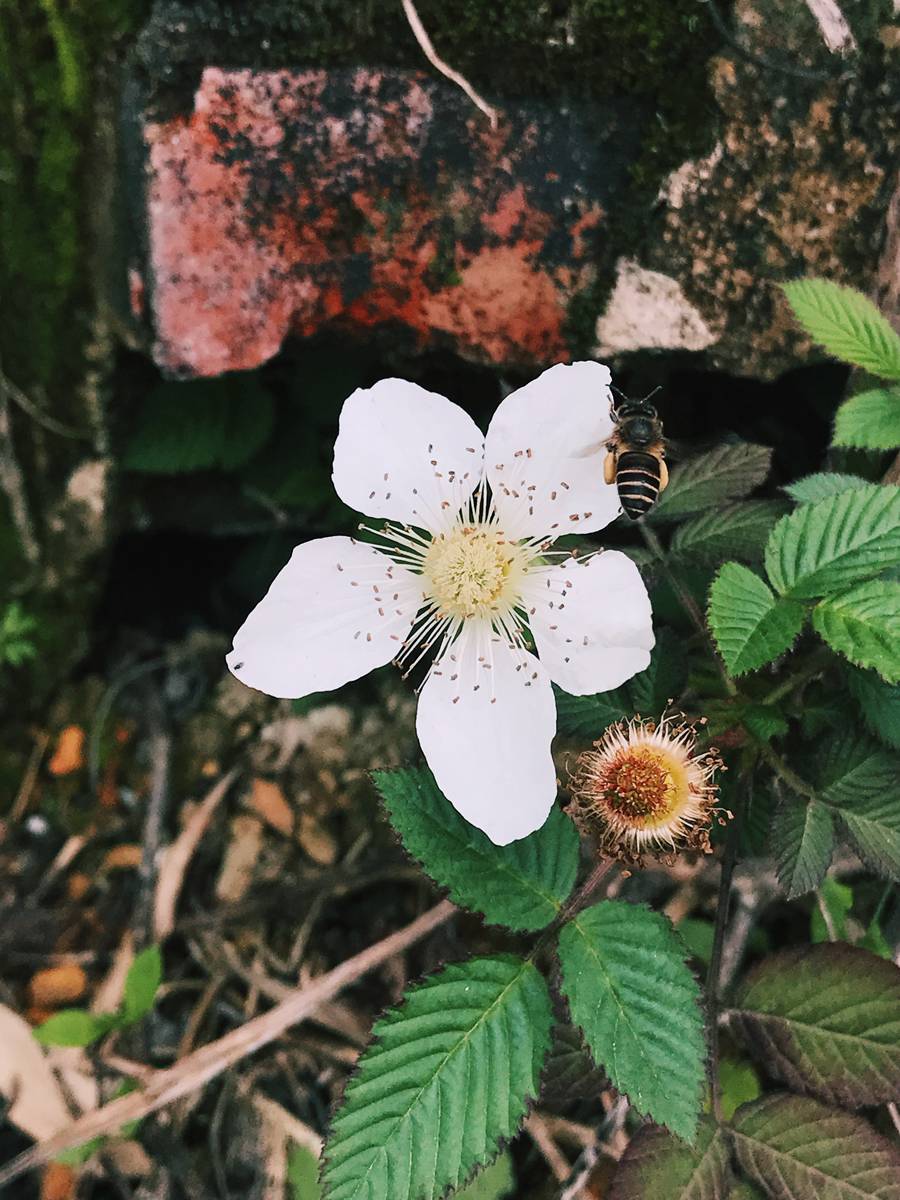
pixel 191 1073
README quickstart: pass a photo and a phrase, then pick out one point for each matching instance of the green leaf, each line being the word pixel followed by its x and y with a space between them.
pixel 724 473
pixel 657 1166
pixel 751 625
pixel 869 421
pixel 698 936
pixel 859 781
pixel 522 885
pixel 836 899
pixel 875 942
pixel 75 1027
pixel 142 983
pixel 735 531
pixel 664 678
pixel 493 1183
pixel 738 1084
pixel 826 1020
pixel 796 1148
pixel 864 625
pixel 570 1073
pixel 836 542
pixel 303 1174
pixel 200 424
pixel 588 716
pixel 847 324
pixel 826 483
pixel 79 1155
pixel 802 844
pixel 764 721
pixel 743 1191
pixel 629 990
pixel 880 704
pixel 449 1075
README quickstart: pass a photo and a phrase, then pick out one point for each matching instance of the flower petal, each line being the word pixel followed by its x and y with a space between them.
pixel 336 611
pixel 591 621
pixel 406 454
pixel 485 722
pixel 544 453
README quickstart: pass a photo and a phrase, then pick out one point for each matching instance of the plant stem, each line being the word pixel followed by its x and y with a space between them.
pixel 815 666
pixel 783 771
pixel 576 902
pixel 713 975
pixel 688 603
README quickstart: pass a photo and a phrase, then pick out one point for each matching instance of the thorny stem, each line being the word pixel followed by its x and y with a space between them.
pixel 713 976
pixel 687 601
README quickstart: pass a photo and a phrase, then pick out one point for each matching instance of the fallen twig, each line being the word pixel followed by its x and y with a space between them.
pixel 177 856
pixel 191 1073
pixel 536 1128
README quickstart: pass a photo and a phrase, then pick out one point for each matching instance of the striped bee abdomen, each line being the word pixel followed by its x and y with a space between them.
pixel 637 482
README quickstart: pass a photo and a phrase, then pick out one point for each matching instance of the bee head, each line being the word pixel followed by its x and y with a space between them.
pixel 638 422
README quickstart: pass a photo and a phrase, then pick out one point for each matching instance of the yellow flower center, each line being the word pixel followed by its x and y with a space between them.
pixel 644 786
pixel 471 571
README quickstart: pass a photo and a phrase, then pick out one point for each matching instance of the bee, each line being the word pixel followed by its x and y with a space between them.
pixel 636 456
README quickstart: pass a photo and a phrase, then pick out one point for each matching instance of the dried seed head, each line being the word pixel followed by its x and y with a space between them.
pixel 644 790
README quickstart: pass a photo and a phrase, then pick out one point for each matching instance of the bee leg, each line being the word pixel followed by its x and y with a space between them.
pixel 663 474
pixel 609 467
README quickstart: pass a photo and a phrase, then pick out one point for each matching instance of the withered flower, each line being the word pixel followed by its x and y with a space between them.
pixel 645 790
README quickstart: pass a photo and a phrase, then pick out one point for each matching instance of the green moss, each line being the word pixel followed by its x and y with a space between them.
pixel 50 53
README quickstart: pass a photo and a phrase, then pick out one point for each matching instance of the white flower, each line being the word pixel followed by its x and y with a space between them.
pixel 462 570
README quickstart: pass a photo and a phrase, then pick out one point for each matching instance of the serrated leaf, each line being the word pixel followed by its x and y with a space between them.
pixel 624 975
pixel 864 625
pixel 656 1166
pixel 665 677
pixel 880 704
pixel 449 1075
pixel 735 531
pixel 750 624
pixel 858 780
pixel 493 1183
pixel 200 424
pixel 795 1148
pixel 75 1027
pixel 724 473
pixel 764 721
pixel 588 716
pixel 824 484
pixel 836 542
pixel 847 324
pixel 142 983
pixel 570 1073
pixel 522 885
pixel 825 1020
pixel 869 421
pixel 802 842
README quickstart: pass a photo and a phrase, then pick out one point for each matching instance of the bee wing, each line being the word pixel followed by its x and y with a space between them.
pixel 591 449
